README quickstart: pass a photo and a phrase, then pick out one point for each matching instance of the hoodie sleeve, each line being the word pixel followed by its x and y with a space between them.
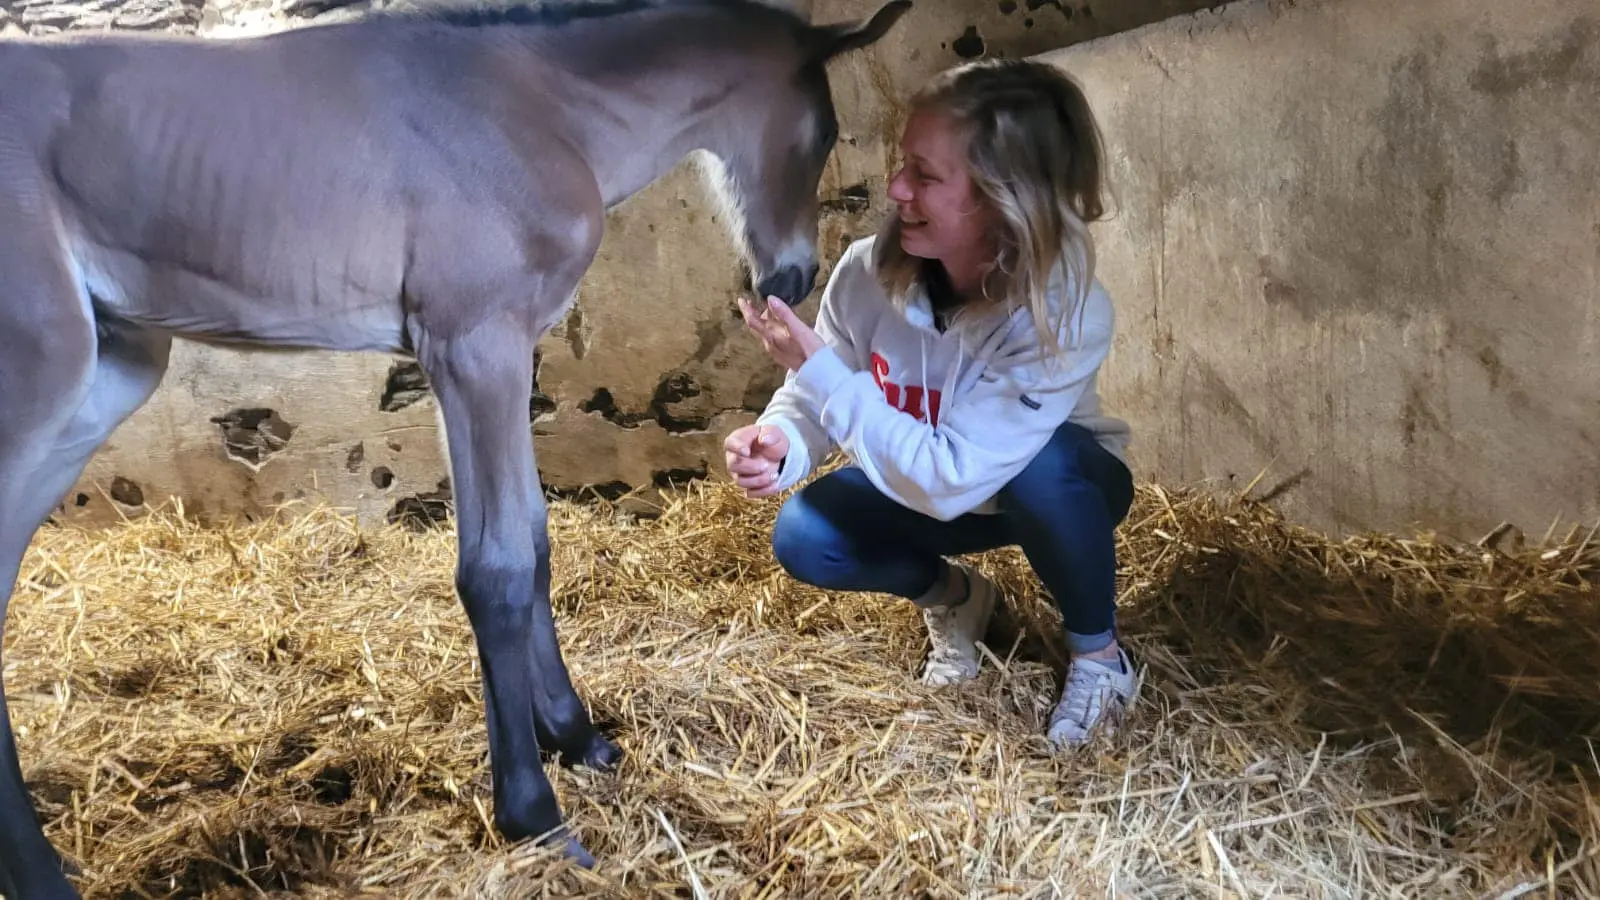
pixel 794 408
pixel 986 436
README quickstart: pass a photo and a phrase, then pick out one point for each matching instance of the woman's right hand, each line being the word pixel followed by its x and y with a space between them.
pixel 753 454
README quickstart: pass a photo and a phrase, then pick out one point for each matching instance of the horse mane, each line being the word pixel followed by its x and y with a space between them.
pixel 556 13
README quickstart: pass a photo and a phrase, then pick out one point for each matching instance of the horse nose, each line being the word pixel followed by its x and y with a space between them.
pixel 791 284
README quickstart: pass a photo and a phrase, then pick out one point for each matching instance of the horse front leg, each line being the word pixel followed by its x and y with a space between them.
pixel 481 379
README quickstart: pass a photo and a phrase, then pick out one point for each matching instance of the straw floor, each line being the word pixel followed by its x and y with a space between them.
pixel 292 709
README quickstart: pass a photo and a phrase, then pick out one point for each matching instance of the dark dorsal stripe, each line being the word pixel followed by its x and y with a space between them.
pixel 556 13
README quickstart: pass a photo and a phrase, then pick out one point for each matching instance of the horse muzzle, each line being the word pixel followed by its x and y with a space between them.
pixel 791 284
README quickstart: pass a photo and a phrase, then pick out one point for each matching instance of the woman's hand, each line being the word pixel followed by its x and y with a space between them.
pixel 753 454
pixel 787 339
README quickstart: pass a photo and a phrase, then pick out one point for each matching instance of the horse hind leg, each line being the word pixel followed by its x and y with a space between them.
pixel 47 350
pixel 55 412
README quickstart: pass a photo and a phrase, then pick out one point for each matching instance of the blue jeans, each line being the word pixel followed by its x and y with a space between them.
pixel 841 533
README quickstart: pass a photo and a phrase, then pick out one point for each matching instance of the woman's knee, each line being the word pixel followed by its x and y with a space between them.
pixel 1072 467
pixel 809 539
pixel 798 530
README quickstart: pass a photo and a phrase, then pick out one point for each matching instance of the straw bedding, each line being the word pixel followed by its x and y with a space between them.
pixel 291 708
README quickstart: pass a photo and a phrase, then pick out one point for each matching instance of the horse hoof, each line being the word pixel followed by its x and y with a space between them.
pixel 574 851
pixel 567 847
pixel 602 755
pixel 595 752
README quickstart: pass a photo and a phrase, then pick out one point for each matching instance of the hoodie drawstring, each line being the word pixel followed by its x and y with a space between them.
pixel 923 359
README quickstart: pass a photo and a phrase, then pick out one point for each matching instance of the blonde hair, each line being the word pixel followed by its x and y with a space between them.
pixel 1034 155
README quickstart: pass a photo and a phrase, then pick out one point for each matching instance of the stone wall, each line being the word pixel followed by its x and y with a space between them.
pixel 636 388
pixel 1357 249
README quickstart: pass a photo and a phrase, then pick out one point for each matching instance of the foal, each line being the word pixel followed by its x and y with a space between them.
pixel 430 184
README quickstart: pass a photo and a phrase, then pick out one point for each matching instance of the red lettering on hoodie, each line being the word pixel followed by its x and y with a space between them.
pixel 907 399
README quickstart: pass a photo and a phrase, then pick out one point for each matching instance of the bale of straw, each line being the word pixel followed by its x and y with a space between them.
pixel 292 708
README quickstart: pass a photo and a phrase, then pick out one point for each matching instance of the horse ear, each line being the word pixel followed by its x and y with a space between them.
pixel 844 37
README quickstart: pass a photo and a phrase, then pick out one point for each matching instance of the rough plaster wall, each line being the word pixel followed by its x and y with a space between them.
pixel 1357 248
pixel 638 385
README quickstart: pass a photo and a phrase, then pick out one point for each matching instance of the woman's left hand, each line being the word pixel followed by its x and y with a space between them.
pixel 787 339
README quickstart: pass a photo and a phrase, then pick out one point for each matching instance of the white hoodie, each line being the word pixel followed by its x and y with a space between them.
pixel 947 451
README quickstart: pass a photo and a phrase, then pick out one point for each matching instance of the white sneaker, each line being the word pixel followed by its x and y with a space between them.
pixel 1095 696
pixel 954 632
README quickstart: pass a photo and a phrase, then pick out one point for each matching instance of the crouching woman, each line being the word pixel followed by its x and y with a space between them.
pixel 954 361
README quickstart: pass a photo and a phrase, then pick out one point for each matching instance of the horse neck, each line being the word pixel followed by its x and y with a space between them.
pixel 637 108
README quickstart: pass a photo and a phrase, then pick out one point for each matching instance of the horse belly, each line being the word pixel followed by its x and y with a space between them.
pixel 308 308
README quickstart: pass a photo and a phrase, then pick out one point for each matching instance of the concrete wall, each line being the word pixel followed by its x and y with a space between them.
pixel 638 385
pixel 1357 247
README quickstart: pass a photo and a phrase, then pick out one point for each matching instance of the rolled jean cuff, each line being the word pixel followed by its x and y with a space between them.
pixel 1089 643
pixel 930 598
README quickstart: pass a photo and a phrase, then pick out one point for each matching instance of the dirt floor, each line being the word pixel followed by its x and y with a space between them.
pixel 292 708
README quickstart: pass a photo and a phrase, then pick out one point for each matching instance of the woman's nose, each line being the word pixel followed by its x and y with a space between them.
pixel 898 191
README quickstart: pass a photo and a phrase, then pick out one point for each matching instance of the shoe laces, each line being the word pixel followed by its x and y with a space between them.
pixel 1085 694
pixel 939 619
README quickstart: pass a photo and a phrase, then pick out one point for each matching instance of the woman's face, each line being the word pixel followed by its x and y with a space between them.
pixel 941 214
